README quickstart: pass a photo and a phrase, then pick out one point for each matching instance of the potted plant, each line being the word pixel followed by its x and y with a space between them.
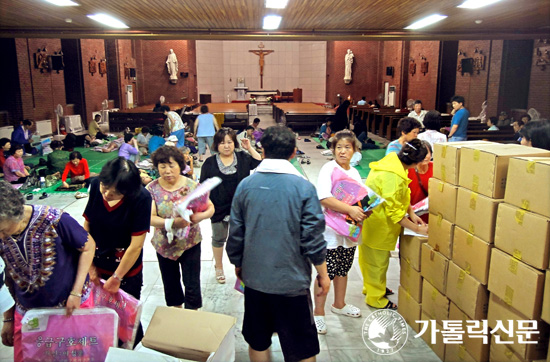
pixel 269 100
pixel 252 100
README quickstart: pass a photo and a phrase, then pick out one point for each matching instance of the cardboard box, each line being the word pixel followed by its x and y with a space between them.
pixel 409 309
pixel 523 234
pixel 483 168
pixel 411 281
pixel 477 214
pixel 193 335
pixel 467 293
pixel 472 254
pixel 457 353
pixel 120 354
pixel 526 182
pixel 434 304
pixel 500 311
pixel 546 301
pixel 440 236
pixel 447 159
pixel 442 199
pixel 503 353
pixel 518 284
pixel 410 248
pixel 438 347
pixel 475 346
pixel 434 268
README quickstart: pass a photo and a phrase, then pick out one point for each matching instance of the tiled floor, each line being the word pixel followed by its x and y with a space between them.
pixel 343 342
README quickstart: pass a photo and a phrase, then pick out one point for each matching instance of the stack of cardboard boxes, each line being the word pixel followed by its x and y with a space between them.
pixel 465 193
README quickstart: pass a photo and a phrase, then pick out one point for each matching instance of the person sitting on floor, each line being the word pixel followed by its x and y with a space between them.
pixel 432 124
pixel 408 129
pixel 247 133
pixel 77 169
pixel 129 149
pixel 94 132
pixel 156 140
pixel 22 136
pixel 57 159
pixel 15 171
pixel 143 140
pixel 5 146
pixel 491 123
pixel 325 131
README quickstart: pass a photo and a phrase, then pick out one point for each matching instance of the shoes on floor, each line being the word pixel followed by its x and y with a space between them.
pixel 220 276
pixel 80 195
pixel 320 324
pixel 348 311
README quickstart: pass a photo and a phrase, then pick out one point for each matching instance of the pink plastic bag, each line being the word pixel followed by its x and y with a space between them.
pixel 350 192
pixel 126 306
pixel 49 335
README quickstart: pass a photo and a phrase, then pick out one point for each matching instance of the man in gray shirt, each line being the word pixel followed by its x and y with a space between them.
pixel 276 234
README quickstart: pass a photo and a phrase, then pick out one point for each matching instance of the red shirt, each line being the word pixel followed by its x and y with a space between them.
pixel 2 158
pixel 81 169
pixel 417 194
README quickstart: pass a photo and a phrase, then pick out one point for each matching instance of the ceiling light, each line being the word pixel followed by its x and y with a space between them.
pixel 428 20
pixel 63 2
pixel 272 22
pixel 475 4
pixel 108 20
pixel 276 4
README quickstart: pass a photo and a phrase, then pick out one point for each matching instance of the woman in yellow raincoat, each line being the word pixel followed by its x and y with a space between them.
pixel 388 178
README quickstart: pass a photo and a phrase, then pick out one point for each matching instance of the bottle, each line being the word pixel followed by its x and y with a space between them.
pixel 42 182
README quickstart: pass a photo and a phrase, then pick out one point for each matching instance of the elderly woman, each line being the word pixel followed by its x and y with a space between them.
pixel 176 250
pixel 174 125
pixel 31 236
pixel 118 215
pixel 536 134
pixel 15 171
pixel 389 179
pixel 408 128
pixel 231 167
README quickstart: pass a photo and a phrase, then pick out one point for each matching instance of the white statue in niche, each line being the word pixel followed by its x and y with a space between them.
pixel 349 61
pixel 172 65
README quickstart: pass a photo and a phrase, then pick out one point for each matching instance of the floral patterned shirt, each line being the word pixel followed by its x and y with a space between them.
pixel 165 201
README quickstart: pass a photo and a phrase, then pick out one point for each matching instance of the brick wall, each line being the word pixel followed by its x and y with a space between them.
pixel 125 58
pixel 493 84
pixel 539 90
pixel 95 86
pixel 424 87
pixel 365 70
pixel 392 55
pixel 40 92
pixel 151 57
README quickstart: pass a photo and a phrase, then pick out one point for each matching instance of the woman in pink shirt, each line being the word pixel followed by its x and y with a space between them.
pixel 14 168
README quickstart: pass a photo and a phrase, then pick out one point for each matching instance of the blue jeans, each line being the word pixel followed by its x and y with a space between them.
pixel 203 141
pixel 457 139
pixel 180 134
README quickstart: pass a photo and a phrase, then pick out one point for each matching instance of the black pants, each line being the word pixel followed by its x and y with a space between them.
pixel 190 264
pixel 20 180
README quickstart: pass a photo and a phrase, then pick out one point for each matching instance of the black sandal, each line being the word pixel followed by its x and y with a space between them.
pixel 389 291
pixel 29 197
pixel 44 195
pixel 390 305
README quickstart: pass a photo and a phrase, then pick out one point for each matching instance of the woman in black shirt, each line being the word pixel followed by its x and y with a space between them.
pixel 231 167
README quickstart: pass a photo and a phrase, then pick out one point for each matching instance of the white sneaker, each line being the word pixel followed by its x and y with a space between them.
pixel 320 324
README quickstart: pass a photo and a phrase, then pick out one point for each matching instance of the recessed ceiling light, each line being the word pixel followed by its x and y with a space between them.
pixel 272 22
pixel 276 4
pixel 475 4
pixel 428 20
pixel 108 20
pixel 63 2
pixel 478 21
pixel 68 20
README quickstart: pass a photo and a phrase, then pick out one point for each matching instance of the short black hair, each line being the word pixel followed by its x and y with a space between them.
pixel 145 129
pixel 418 101
pixel 220 136
pixel 56 144
pixel 458 99
pixel 74 155
pixel 128 137
pixel 3 141
pixel 204 108
pixel 123 175
pixel 493 120
pixel 27 122
pixel 412 152
pixel 165 108
pixel 278 142
pixel 525 115
pixel 407 124
pixel 432 120
pixel 520 122
pixel 157 131
pixel 248 127
pixel 15 147
pixel 538 133
pixel 256 120
pixel 163 154
pixel 363 98
pixel 97 116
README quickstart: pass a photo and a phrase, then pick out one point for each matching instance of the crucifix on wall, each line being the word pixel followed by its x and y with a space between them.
pixel 261 53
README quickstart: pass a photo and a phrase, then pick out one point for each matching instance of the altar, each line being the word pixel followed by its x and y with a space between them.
pixel 261 95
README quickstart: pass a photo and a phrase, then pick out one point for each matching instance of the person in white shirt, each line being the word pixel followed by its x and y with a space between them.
pixel 362 102
pixel 143 140
pixel 432 124
pixel 418 113
pixel 491 123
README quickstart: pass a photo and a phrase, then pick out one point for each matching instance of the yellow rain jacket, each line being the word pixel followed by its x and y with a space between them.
pixel 388 179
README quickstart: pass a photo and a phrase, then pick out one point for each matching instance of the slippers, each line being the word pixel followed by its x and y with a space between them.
pixel 320 324
pixel 29 197
pixel 80 195
pixel 348 310
pixel 220 276
pixel 308 162
pixel 44 195
pixel 389 291
pixel 390 305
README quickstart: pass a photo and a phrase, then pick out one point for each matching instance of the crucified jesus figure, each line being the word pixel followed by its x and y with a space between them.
pixel 261 53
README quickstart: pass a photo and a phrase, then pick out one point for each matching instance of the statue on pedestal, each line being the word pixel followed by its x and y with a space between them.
pixel 172 65
pixel 349 61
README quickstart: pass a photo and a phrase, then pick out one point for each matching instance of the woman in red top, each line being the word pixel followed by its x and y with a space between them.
pixel 78 169
pixel 420 177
